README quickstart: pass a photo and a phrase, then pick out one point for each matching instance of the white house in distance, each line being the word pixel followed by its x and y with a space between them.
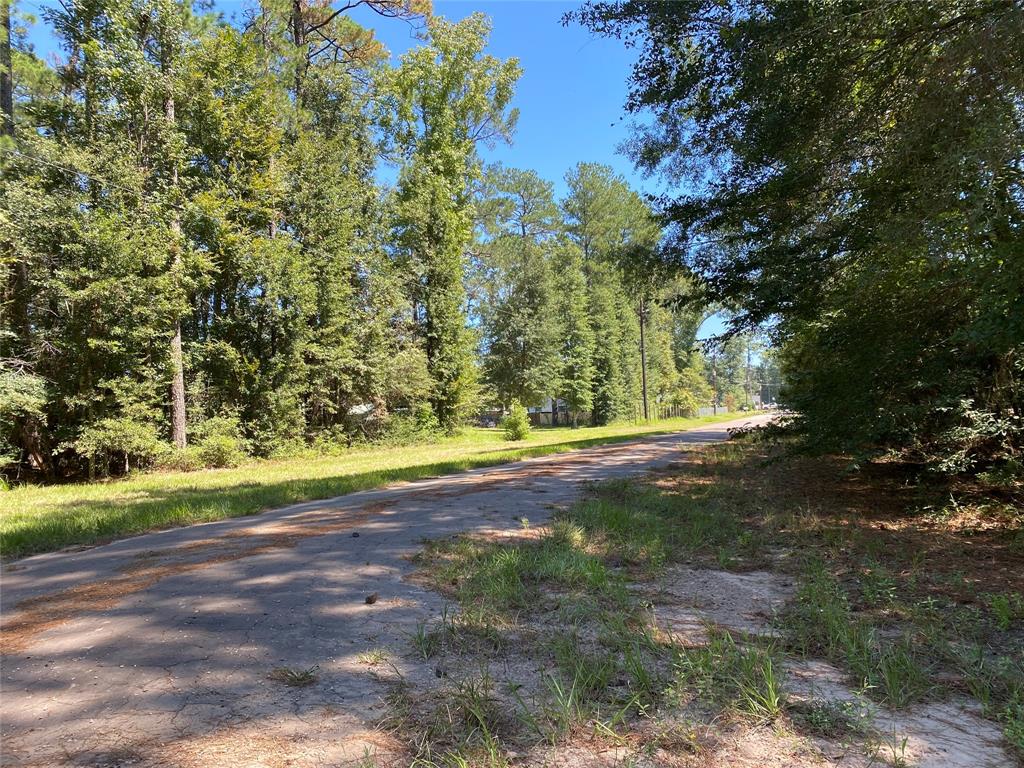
pixel 550 413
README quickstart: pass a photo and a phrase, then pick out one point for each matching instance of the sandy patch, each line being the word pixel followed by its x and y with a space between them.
pixel 691 598
pixel 938 734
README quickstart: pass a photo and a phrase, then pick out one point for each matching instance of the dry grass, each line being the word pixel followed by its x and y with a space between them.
pixel 910 601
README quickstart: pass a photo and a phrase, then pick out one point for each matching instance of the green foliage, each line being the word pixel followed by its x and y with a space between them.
pixel 516 425
pixel 129 440
pixel 220 442
pixel 854 178
pixel 521 327
pixel 447 95
pixel 180 178
pixel 1006 609
pixel 22 402
pixel 577 339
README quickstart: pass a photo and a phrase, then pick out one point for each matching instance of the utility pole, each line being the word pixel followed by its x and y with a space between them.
pixel 643 356
pixel 6 71
pixel 746 384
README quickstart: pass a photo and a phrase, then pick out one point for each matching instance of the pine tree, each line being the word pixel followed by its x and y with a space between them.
pixel 576 344
pixel 447 96
pixel 518 215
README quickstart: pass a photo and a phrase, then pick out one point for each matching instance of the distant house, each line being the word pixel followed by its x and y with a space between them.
pixel 550 413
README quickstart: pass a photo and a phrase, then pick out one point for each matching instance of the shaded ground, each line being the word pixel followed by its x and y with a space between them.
pixel 729 612
pixel 159 650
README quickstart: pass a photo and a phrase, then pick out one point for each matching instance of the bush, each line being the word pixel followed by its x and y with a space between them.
pixel 517 423
pixel 406 428
pixel 136 442
pixel 176 460
pixel 220 443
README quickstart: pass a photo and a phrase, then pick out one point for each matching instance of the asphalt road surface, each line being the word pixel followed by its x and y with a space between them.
pixel 156 650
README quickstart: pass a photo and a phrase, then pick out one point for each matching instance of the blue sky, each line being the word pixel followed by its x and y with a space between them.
pixel 571 93
pixel 570 96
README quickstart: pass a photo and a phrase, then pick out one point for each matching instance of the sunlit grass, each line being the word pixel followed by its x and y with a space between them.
pixel 44 518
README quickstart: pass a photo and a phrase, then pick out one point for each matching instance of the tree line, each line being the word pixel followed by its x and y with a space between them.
pixel 853 177
pixel 199 249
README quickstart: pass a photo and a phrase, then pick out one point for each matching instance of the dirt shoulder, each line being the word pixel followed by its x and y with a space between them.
pixel 735 609
pixel 166 649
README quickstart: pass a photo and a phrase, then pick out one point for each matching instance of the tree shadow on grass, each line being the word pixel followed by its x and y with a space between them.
pixel 92 522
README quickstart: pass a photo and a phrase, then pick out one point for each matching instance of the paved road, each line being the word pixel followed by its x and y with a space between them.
pixel 155 650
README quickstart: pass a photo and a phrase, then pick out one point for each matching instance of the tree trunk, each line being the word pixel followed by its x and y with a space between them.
pixel 178 418
pixel 714 385
pixel 643 357
pixel 299 40
pixel 6 71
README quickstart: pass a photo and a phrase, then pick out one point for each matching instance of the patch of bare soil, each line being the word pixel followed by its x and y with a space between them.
pixel 260 747
pixel 723 745
pixel 329 740
pixel 932 735
pixel 689 599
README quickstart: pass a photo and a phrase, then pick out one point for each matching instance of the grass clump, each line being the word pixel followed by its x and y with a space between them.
pixel 646 527
pixel 591 672
pixel 820 622
pixel 743 677
pixel 1006 609
pixel 830 719
pixel 502 580
pixel 296 678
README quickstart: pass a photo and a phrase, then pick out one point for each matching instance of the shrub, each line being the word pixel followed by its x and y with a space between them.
pixel 517 424
pixel 176 460
pixel 137 442
pixel 409 428
pixel 426 420
pixel 220 443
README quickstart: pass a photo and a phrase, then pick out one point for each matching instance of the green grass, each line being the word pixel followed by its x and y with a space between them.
pixel 645 528
pixel 296 678
pixel 821 622
pixel 45 518
pixel 743 677
pixel 906 629
pixel 494 583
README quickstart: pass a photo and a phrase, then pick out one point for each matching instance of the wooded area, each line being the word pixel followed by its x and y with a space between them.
pixel 199 248
pixel 267 251
pixel 854 177
pixel 267 235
